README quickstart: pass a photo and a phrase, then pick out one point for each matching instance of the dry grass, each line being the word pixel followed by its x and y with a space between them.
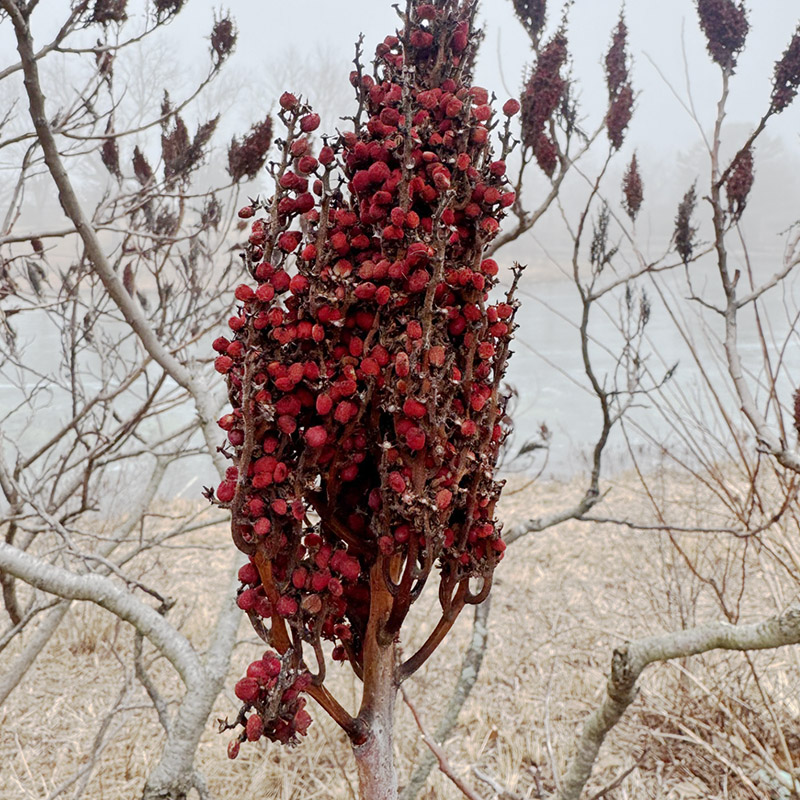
pixel 562 600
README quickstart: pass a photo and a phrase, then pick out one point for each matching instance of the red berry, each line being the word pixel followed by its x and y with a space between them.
pixel 226 491
pixel 309 123
pixel 316 436
pixel 443 498
pixel 397 482
pixel 247 690
pixel 248 573
pixel 299 283
pixel 254 728
pixel 287 606
pixel 414 409
pixel 415 439
pixel 223 364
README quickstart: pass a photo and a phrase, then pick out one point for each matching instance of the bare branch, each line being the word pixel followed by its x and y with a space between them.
pixel 630 660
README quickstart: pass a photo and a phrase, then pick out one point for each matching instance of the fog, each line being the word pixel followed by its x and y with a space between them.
pixel 308 47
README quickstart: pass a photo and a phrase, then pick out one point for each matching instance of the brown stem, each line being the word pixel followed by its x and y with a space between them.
pixel 279 637
pixel 441 630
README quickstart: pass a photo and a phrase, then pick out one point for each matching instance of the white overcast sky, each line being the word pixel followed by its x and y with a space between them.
pixel 272 32
pixel 277 36
pixel 306 46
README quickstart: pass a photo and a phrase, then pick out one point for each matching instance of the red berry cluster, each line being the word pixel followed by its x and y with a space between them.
pixel 545 91
pixel 620 90
pixel 364 367
pixel 273 705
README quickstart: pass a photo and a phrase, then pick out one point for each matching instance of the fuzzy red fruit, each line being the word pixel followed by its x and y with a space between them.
pixel 288 101
pixel 507 199
pixel 414 409
pixel 265 293
pixel 369 366
pixel 386 545
pixel 468 427
pixel 309 123
pixel 248 573
pixel 287 606
pixel 316 436
pixel 397 482
pixel 254 728
pixel 262 526
pixel 306 164
pixel 301 721
pixel 479 135
pixel 383 295
pixel 324 404
pixel 511 107
pixel 326 156
pixel 247 600
pixel 350 569
pixel 460 38
pixel 233 748
pixel 223 364
pixel 415 438
pixel 299 283
pixel 289 241
pixel 414 330
pixel 287 424
pixel 345 411
pixel 279 506
pixel 401 365
pixel 226 491
pixel 485 350
pixel 443 499
pixel 272 664
pixel 246 212
pixel 299 577
pixel 247 690
pixel 436 355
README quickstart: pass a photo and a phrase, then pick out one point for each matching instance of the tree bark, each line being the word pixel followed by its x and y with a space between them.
pixel 175 774
pixel 631 658
pixel 377 779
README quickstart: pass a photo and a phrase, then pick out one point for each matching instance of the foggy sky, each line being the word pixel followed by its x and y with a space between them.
pixel 307 46
pixel 269 30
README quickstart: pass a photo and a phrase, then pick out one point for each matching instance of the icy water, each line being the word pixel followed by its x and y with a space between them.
pixel 546 371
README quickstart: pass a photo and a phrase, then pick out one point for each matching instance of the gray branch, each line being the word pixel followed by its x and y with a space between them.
pixel 470 667
pixel 630 659
pixel 105 593
pixel 179 372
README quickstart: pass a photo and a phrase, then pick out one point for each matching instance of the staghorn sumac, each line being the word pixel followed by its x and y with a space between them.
pixel 364 371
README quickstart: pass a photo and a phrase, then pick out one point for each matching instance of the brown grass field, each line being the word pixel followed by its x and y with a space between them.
pixel 705 728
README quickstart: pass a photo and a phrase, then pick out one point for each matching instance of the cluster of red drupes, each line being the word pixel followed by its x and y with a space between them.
pixel 364 366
